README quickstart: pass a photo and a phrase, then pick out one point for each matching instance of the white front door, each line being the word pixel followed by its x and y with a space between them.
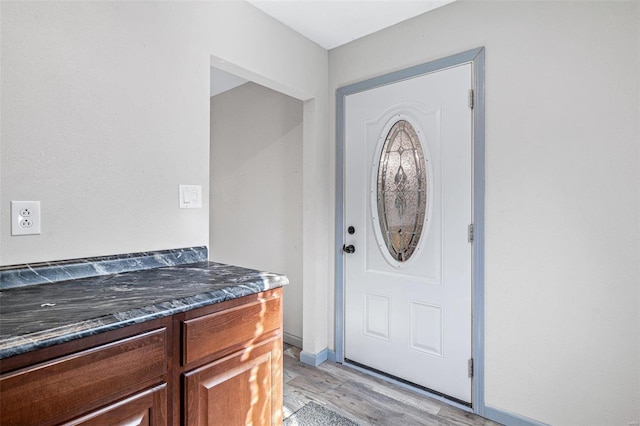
pixel 408 196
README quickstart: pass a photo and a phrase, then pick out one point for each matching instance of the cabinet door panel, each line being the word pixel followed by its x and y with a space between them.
pixel 244 388
pixel 147 408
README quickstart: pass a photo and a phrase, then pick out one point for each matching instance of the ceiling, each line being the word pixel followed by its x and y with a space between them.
pixel 332 23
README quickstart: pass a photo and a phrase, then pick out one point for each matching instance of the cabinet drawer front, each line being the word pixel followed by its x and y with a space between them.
pixel 145 408
pixel 69 385
pixel 223 332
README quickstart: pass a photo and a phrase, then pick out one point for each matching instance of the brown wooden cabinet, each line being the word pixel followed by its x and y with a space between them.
pixel 231 363
pixel 220 364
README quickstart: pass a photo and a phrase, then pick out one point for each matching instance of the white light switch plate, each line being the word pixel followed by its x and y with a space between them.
pixel 25 217
pixel 190 196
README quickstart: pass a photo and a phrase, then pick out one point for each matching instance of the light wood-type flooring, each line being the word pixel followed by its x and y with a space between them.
pixel 362 398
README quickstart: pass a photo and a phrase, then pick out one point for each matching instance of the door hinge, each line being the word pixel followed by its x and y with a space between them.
pixel 470 232
pixel 470 364
pixel 471 98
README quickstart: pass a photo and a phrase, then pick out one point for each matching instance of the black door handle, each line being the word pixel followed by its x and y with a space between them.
pixel 348 249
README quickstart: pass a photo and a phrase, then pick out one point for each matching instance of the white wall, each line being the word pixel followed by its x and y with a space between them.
pixel 256 188
pixel 562 194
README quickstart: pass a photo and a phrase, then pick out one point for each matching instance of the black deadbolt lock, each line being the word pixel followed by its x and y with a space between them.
pixel 351 230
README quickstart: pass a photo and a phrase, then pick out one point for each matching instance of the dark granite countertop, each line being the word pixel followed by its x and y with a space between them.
pixel 37 316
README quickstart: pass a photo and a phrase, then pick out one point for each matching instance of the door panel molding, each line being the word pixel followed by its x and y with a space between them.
pixel 476 58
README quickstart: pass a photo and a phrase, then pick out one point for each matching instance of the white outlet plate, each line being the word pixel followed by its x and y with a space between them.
pixel 190 196
pixel 25 217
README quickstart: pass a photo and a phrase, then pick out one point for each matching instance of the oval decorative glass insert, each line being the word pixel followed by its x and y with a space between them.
pixel 402 190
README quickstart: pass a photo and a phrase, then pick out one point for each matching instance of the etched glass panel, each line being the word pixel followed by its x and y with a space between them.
pixel 402 191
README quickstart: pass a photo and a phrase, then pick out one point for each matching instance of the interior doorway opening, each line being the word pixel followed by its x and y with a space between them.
pixel 255 177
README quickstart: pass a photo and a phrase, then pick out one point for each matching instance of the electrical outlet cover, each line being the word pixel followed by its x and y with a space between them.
pixel 25 217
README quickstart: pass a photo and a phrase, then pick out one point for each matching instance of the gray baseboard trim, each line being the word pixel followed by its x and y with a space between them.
pixel 292 340
pixel 509 419
pixel 314 359
pixel 317 359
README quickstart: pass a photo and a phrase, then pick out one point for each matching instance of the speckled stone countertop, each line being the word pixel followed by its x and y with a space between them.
pixel 37 316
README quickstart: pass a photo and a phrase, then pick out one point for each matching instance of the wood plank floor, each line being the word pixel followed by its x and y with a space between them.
pixel 362 398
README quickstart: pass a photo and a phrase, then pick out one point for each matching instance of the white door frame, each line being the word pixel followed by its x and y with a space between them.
pixel 476 58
